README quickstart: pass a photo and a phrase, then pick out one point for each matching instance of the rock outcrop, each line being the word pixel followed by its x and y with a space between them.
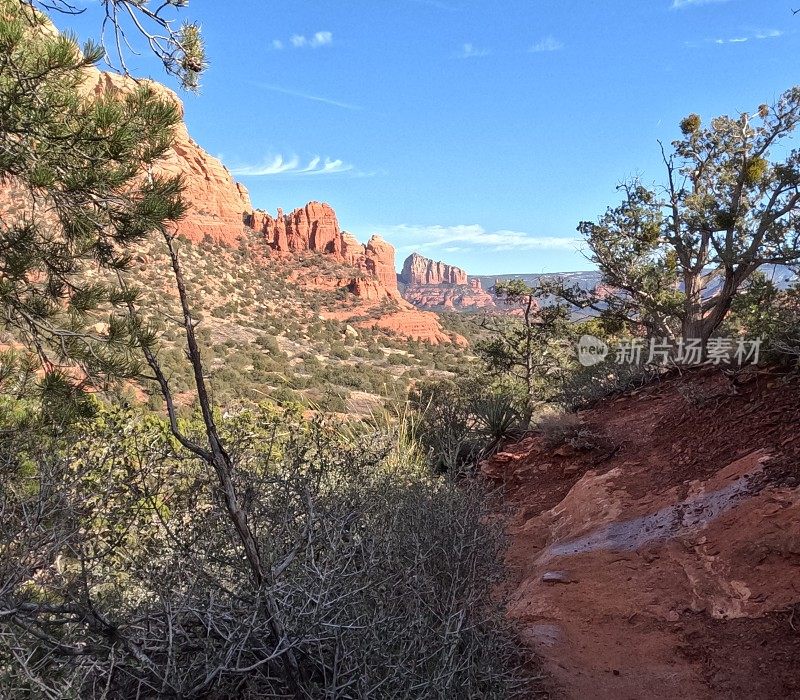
pixel 432 284
pixel 419 325
pixel 675 525
pixel 421 270
pixel 404 320
pixel 217 201
pixel 449 297
pixel 314 228
pixel 220 208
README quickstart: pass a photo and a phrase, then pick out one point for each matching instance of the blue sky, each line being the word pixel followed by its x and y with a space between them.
pixel 475 131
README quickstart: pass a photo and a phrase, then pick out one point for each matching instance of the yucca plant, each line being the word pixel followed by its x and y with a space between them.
pixel 499 420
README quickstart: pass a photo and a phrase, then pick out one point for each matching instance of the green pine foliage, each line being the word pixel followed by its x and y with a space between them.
pixel 77 171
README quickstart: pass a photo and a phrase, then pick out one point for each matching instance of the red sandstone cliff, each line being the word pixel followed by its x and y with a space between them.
pixel 311 228
pixel 420 270
pixel 450 298
pixel 220 208
pixel 218 202
pixel 314 228
pixel 431 284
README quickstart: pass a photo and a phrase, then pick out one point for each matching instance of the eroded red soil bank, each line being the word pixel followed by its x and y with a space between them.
pixel 661 558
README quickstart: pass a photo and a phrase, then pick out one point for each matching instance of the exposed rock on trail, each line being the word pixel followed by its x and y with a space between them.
pixel 663 560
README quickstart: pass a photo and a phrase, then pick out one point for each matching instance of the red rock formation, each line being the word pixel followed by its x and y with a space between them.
pixel 432 296
pixel 420 270
pixel 431 284
pixel 417 325
pixel 220 208
pixel 218 203
pixel 353 252
pixel 314 228
pixel 310 228
pixel 687 537
pixel 368 289
pixel 380 262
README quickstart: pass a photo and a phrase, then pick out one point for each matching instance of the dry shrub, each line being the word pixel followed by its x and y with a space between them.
pixel 559 429
pixel 121 577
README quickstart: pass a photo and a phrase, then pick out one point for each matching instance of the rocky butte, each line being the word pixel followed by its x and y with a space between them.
pixel 218 201
pixel 432 284
pixel 418 270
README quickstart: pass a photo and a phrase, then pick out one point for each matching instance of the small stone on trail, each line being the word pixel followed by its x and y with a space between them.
pixel 556 577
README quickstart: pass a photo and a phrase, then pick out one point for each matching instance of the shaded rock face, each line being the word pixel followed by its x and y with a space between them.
pixel 420 270
pixel 217 201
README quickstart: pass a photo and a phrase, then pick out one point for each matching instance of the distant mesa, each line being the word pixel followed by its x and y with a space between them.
pixel 432 284
pixel 420 270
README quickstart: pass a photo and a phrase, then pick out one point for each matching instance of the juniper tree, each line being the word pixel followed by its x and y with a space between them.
pixel 77 191
pixel 675 257
pixel 528 347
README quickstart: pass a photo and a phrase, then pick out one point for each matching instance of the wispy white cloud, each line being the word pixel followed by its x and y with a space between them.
pixel 470 51
pixel 322 39
pixel 680 4
pixel 304 95
pixel 471 237
pixel 281 165
pixel 755 36
pixel 546 45
pixel 300 41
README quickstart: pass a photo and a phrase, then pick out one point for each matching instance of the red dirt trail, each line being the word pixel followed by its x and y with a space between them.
pixel 661 557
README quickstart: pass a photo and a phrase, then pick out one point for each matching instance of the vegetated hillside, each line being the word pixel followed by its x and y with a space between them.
pixel 655 540
pixel 267 331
